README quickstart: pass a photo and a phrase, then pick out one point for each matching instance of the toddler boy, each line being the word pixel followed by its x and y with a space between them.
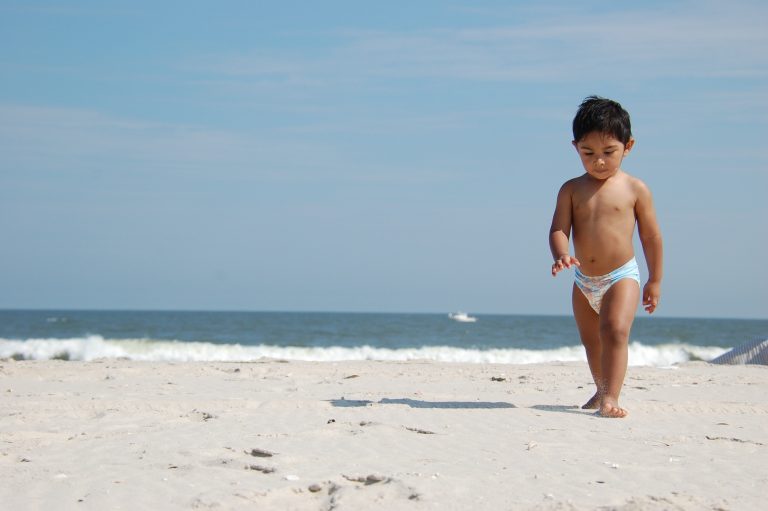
pixel 601 208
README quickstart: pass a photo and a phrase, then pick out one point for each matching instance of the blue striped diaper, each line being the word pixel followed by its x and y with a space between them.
pixel 594 288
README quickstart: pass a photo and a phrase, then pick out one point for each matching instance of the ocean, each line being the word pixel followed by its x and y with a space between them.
pixel 315 336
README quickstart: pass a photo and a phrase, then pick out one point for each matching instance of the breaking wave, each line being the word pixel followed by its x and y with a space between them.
pixel 96 347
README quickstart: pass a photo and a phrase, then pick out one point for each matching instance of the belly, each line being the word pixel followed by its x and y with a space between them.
pixel 601 254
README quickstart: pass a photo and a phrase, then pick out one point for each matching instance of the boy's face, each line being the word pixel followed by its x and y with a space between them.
pixel 601 154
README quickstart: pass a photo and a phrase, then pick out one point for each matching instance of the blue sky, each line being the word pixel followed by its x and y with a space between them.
pixel 366 156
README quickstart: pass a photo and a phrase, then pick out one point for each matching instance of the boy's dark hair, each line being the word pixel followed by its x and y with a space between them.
pixel 602 115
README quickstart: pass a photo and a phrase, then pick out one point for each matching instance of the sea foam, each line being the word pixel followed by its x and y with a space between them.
pixel 96 347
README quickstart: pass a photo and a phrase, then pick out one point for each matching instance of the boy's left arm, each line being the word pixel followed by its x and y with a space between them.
pixel 650 237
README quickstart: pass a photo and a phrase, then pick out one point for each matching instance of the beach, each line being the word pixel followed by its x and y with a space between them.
pixel 288 435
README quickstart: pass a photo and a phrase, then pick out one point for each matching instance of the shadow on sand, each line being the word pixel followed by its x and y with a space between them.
pixel 563 409
pixel 415 403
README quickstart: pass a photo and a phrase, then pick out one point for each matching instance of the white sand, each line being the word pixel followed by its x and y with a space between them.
pixel 132 435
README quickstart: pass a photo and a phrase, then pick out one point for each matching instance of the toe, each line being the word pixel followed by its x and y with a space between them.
pixel 612 411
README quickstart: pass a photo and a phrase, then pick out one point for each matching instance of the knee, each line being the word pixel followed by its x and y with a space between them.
pixel 614 331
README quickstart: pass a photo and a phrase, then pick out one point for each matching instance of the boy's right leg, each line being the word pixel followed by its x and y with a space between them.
pixel 588 323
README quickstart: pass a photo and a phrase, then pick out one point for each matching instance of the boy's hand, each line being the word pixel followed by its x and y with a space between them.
pixel 651 294
pixel 563 262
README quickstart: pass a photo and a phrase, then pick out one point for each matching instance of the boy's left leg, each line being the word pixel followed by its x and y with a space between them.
pixel 617 313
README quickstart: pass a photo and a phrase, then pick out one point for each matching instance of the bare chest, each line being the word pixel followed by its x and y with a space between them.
pixel 604 204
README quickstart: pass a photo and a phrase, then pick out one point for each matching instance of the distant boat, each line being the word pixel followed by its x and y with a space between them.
pixel 462 317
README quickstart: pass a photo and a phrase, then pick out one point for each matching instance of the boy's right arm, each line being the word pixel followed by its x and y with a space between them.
pixel 559 232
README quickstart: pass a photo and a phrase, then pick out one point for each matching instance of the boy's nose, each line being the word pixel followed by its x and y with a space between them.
pixel 600 162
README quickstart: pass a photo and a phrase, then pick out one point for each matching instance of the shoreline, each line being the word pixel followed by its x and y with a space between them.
pixel 377 435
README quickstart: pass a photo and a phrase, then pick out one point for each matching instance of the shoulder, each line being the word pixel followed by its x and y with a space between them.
pixel 571 185
pixel 640 189
pixel 642 194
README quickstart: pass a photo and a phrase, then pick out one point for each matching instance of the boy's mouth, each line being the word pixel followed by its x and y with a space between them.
pixel 602 171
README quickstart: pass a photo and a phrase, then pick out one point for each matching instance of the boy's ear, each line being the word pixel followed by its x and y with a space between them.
pixel 629 145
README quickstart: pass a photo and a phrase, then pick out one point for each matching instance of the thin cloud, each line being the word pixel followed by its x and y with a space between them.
pixel 41 141
pixel 45 138
pixel 709 41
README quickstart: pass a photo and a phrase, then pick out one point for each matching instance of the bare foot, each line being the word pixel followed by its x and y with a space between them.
pixel 593 403
pixel 611 408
